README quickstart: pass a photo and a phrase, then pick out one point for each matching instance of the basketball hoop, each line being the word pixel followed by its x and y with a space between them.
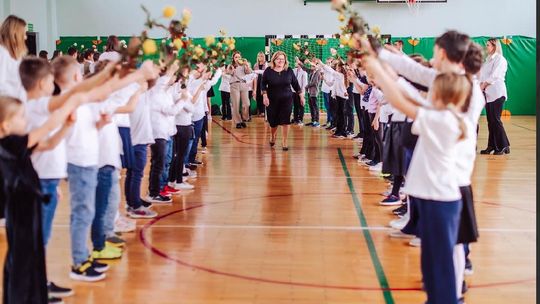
pixel 414 6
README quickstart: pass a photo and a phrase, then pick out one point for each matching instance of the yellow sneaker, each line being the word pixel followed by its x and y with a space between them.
pixel 107 253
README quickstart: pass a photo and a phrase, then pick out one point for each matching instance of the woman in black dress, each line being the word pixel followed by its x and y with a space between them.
pixel 278 97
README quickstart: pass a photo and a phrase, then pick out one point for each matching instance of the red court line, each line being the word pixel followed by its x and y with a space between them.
pixel 168 257
pixel 238 139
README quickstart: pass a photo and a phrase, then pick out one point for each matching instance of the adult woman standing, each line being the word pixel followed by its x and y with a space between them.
pixel 492 77
pixel 239 89
pixel 259 68
pixel 12 50
pixel 277 96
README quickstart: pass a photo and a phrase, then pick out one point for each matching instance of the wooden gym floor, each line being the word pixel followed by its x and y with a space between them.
pixel 304 226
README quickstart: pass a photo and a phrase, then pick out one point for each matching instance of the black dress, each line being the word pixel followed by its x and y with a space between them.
pixel 278 87
pixel 25 278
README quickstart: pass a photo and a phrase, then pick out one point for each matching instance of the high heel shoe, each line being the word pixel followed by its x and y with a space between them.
pixel 488 150
pixel 272 144
pixel 285 148
pixel 505 150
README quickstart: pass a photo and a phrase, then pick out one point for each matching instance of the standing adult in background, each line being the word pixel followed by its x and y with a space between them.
pixel 302 78
pixel 111 48
pixel 12 50
pixel 239 89
pixel 259 68
pixel 492 77
pixel 278 98
pixel 44 54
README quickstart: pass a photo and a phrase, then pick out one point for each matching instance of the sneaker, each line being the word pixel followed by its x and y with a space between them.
pixel 350 135
pixel 243 124
pixel 85 272
pixel 192 167
pixel 401 210
pixel 300 123
pixel 239 126
pixel 309 124
pixel 329 127
pixel 339 136
pixel 107 253
pixel 158 199
pixel 399 223
pixel 415 242
pixel 197 163
pixel 59 292
pixel 169 190
pixel 146 204
pixel 316 125
pixel 141 212
pixel 464 287
pixel 357 136
pixel 124 225
pixel 391 200
pixel 468 267
pixel 397 234
pixel 115 241
pixel 376 168
pixel 53 300
pixel 203 150
pixel 365 161
pixel 192 174
pixel 100 267
pixel 184 186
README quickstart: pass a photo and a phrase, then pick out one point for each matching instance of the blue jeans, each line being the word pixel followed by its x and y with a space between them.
pixel 82 188
pixel 134 177
pixel 326 98
pixel 438 227
pixel 188 149
pixel 197 125
pixel 48 187
pixel 112 208
pixel 168 158
pixel 103 191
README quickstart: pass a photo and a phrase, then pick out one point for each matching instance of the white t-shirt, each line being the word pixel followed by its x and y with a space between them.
pixel 225 85
pixel 163 110
pixel 141 124
pixel 375 98
pixel 51 164
pixel 432 173
pixel 386 111
pixel 83 139
pixel 201 105
pixel 10 82
pixel 121 97
pixel 112 56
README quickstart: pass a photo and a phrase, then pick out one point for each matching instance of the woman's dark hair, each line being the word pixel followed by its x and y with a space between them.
pixel 112 43
pixel 43 54
pixel 55 54
pixel 88 53
pixel 96 56
pixel 460 48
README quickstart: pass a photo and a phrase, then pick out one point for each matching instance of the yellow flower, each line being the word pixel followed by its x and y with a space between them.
pixel 376 30
pixel 178 44
pixel 198 50
pixel 169 11
pixel 214 54
pixel 352 43
pixel 344 40
pixel 296 46
pixel 210 40
pixel 149 47
pixel 232 47
pixel 186 16
pixel 341 17
pixel 219 45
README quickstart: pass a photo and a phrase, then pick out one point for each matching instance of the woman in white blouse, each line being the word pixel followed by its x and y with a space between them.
pixel 492 76
pixel 12 50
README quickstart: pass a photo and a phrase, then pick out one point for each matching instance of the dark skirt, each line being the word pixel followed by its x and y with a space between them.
pixel 393 150
pixel 468 228
pixel 127 156
pixel 279 111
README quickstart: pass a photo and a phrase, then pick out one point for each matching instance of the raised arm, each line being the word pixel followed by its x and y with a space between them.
pixel 409 68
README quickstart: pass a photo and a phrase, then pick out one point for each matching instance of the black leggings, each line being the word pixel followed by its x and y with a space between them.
pixel 157 165
pixel 226 112
pixel 204 130
pixel 340 116
pixel 180 145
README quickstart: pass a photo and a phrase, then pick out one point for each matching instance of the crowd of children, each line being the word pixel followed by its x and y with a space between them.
pixel 76 118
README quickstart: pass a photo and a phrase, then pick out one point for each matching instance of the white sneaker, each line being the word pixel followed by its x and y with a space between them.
pixel 124 225
pixel 397 234
pixel 141 212
pixel 399 223
pixel 192 173
pixel 203 150
pixel 415 242
pixel 184 186
pixel 376 168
